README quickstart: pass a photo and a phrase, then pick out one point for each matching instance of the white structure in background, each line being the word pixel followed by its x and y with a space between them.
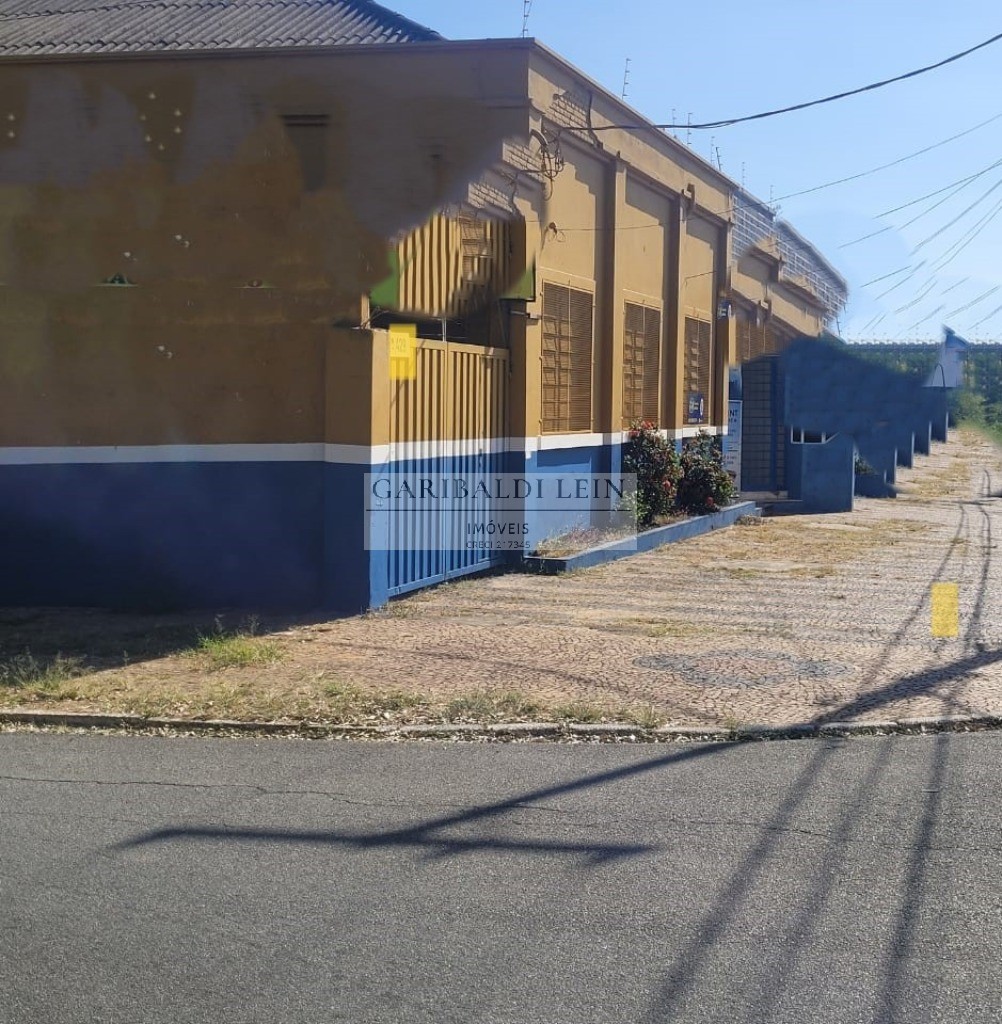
pixel 732 439
pixel 949 370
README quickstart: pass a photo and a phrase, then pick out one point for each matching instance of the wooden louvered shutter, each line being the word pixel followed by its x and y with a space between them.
pixel 754 340
pixel 698 360
pixel 567 359
pixel 633 364
pixel 744 341
pixel 760 343
pixel 652 363
pixel 555 358
pixel 641 363
pixel 581 307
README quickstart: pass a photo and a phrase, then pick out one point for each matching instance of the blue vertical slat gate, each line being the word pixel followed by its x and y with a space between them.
pixel 763 447
pixel 449 421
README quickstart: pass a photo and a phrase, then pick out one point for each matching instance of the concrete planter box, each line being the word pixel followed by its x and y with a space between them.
pixel 647 541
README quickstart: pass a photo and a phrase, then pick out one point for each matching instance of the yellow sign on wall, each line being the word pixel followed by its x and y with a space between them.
pixel 403 351
pixel 945 606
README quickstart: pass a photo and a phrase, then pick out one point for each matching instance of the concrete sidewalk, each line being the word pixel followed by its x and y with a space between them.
pixel 788 620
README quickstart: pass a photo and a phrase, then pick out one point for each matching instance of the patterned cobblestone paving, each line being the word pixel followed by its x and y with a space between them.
pixel 788 620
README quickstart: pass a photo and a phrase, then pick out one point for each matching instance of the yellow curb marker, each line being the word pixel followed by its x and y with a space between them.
pixel 403 351
pixel 945 606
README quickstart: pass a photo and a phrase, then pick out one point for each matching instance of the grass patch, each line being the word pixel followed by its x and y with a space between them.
pixel 656 627
pixel 27 672
pixel 483 706
pixel 677 629
pixel 577 540
pixel 791 545
pixel 236 648
pixel 578 711
pixel 646 717
pixel 229 702
pixel 943 483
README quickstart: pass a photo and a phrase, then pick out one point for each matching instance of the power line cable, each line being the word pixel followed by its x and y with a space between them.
pixel 965 240
pixel 974 302
pixel 893 163
pixel 907 223
pixel 884 277
pixel 908 305
pixel 903 280
pixel 929 195
pixel 957 188
pixel 727 122
pixel 963 213
pixel 985 319
pixel 926 319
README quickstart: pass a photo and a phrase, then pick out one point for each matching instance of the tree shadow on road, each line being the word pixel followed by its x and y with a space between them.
pixel 688 967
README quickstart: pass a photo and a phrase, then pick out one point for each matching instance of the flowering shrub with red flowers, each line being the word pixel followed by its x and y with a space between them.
pixel 705 485
pixel 656 463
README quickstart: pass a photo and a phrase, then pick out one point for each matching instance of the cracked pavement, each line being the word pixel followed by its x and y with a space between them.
pixel 151 880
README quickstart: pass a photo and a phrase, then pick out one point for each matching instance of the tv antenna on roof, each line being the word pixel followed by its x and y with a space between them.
pixel 526 11
pixel 626 77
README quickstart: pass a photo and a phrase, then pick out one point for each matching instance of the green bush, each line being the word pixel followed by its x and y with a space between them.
pixel 657 466
pixel 705 486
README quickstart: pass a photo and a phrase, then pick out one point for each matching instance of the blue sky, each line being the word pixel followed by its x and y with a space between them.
pixel 749 57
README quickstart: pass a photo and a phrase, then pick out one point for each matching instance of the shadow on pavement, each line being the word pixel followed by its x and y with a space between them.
pixel 688 967
pixel 430 834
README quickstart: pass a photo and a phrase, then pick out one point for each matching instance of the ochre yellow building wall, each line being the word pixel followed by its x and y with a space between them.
pixel 237 250
pixel 610 222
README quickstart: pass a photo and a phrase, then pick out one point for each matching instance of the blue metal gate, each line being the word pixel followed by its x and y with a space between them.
pixel 763 436
pixel 449 421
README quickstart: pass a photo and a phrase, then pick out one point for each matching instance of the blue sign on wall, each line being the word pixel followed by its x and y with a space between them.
pixel 696 408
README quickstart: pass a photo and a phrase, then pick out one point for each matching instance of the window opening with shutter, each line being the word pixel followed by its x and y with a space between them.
pixel 641 363
pixel 567 359
pixel 697 369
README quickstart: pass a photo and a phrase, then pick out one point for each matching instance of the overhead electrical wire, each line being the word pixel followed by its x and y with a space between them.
pixel 960 216
pixel 943 261
pixel 727 122
pixel 908 305
pixel 985 319
pixel 893 163
pixel 974 302
pixel 929 195
pixel 925 319
pixel 907 223
pixel 903 280
pixel 965 240
pixel 957 188
pixel 884 277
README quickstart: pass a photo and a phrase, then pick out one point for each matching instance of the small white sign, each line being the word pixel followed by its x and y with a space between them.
pixel 732 443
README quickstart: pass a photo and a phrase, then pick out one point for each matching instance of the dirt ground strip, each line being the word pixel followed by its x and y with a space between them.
pixel 779 621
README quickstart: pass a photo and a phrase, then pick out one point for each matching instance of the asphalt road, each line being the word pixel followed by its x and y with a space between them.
pixel 175 880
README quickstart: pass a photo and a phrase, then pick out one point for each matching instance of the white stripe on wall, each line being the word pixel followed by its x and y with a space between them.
pixel 81 455
pixel 343 454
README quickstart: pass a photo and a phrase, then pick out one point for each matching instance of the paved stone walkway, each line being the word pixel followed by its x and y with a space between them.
pixel 811 618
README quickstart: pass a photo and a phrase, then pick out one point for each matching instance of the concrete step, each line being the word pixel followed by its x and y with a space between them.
pixel 781 507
